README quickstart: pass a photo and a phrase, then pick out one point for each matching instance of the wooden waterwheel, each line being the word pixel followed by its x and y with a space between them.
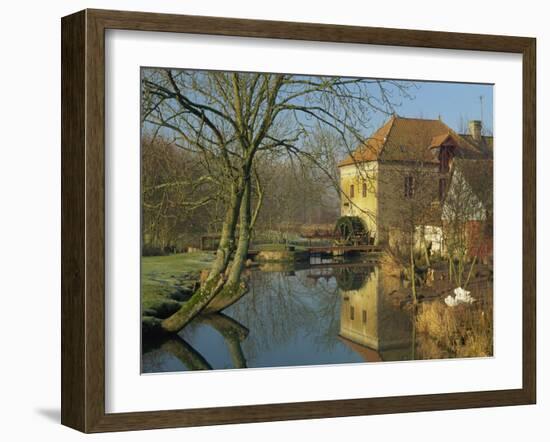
pixel 350 230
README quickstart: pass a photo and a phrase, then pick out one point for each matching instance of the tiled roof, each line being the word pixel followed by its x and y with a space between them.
pixel 440 139
pixel 485 144
pixel 370 149
pixel 411 139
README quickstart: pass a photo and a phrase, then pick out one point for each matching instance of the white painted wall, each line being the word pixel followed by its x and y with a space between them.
pixel 30 217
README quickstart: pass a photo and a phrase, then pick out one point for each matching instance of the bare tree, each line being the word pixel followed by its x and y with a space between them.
pixel 173 198
pixel 411 213
pixel 409 194
pixel 468 215
pixel 229 120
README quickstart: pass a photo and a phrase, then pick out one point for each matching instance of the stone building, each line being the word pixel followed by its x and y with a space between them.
pixel 398 178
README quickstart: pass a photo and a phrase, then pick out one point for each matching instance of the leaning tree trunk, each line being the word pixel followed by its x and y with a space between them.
pixel 216 278
pixel 225 247
pixel 234 288
pixel 244 237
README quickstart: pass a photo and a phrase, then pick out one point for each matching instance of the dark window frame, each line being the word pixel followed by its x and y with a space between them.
pixel 409 186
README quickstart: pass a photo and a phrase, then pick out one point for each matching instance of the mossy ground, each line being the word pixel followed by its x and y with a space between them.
pixel 167 281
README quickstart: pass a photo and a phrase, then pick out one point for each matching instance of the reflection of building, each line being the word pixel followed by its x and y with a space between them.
pixel 401 173
pixel 371 320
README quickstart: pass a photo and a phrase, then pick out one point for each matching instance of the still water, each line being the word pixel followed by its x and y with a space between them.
pixel 330 313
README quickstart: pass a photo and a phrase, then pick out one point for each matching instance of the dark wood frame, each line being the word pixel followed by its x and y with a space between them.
pixel 83 216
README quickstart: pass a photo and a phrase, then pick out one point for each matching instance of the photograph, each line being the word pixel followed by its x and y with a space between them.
pixel 272 221
pixel 301 220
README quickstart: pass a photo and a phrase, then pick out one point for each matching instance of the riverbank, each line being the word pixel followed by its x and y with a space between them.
pixel 465 330
pixel 167 282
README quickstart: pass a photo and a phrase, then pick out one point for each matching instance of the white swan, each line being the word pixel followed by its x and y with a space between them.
pixel 461 296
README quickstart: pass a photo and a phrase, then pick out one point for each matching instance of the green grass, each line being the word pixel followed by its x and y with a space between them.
pixel 162 276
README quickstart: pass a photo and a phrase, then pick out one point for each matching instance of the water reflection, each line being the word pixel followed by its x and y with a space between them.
pixel 372 322
pixel 325 313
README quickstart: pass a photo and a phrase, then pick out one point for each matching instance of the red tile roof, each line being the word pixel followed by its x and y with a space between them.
pixel 410 139
pixel 440 139
pixel 371 148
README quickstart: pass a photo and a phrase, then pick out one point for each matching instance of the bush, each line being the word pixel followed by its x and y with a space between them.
pixel 149 250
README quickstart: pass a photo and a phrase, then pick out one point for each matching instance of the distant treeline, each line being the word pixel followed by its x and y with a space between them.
pixel 179 204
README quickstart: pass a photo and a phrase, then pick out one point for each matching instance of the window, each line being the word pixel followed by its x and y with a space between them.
pixel 442 188
pixel 351 191
pixel 352 313
pixel 409 187
pixel 364 316
pixel 364 190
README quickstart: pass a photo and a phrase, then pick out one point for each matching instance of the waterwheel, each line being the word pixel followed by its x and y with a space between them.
pixel 350 230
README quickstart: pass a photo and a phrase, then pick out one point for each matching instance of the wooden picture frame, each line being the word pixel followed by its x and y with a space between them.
pixel 83 220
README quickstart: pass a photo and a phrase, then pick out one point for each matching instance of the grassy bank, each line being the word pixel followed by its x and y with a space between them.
pixel 167 281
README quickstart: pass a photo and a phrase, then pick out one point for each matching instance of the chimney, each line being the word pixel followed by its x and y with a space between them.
pixel 475 129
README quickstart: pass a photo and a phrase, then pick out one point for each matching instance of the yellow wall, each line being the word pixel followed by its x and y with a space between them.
pixel 385 208
pixel 363 207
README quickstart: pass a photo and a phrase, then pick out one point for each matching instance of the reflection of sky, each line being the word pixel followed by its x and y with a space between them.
pixel 291 322
pixel 288 323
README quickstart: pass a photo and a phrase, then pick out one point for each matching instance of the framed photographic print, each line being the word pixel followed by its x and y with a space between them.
pixel 267 220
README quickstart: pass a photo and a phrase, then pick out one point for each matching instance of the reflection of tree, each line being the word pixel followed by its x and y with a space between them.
pixel 232 332
pixel 274 296
pixel 186 354
pixel 278 307
pixel 328 311
pixel 290 311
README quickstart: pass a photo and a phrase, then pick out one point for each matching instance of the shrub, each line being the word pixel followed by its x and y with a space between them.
pixel 149 250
